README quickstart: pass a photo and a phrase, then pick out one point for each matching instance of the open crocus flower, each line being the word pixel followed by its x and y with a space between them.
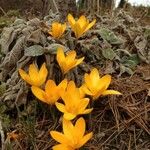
pixel 74 104
pixel 96 86
pixel 73 137
pixel 57 29
pixel 52 91
pixel 35 77
pixel 67 62
pixel 80 26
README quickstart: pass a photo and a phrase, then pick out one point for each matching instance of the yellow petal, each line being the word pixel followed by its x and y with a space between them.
pixel 59 30
pixel 69 116
pixel 55 29
pixel 39 93
pixel 85 25
pixel 79 61
pixel 43 73
pixel 68 129
pixel 85 139
pixel 34 75
pixel 71 20
pixel 78 31
pixel 83 104
pixel 107 80
pixel 62 87
pixel 33 72
pixel 70 58
pixel 113 92
pixel 94 76
pixel 63 84
pixel 104 82
pixel 87 111
pixel 90 25
pixel 50 87
pixel 25 76
pixel 80 127
pixel 59 137
pixel 82 21
pixel 82 92
pixel 88 82
pixel 66 97
pixel 62 147
pixel 60 56
pixel 71 87
pixel 60 107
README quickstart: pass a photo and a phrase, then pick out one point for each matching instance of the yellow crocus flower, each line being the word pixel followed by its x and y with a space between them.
pixel 67 62
pixel 57 29
pixel 72 137
pixel 35 77
pixel 80 26
pixel 96 86
pixel 74 104
pixel 52 91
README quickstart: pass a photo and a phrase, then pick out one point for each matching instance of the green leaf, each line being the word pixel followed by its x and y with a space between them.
pixel 35 50
pixel 108 53
pixel 110 37
pixel 131 61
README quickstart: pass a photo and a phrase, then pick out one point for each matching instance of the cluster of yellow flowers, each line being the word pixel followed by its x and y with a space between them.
pixel 74 101
pixel 79 27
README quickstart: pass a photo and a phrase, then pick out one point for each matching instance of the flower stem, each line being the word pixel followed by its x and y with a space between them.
pixel 91 105
pixel 53 113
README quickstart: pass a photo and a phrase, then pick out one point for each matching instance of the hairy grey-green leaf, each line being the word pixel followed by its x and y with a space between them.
pixel 18 22
pixel 10 60
pixel 141 43
pixel 109 36
pixel 34 50
pixel 7 36
pixel 124 69
pixel 35 36
pixel 108 53
pixel 126 52
pixel 52 49
pixel 131 61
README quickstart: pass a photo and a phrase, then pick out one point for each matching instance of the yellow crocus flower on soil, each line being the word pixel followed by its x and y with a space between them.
pixel 74 104
pixel 35 77
pixel 95 85
pixel 68 62
pixel 72 137
pixel 57 29
pixel 80 26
